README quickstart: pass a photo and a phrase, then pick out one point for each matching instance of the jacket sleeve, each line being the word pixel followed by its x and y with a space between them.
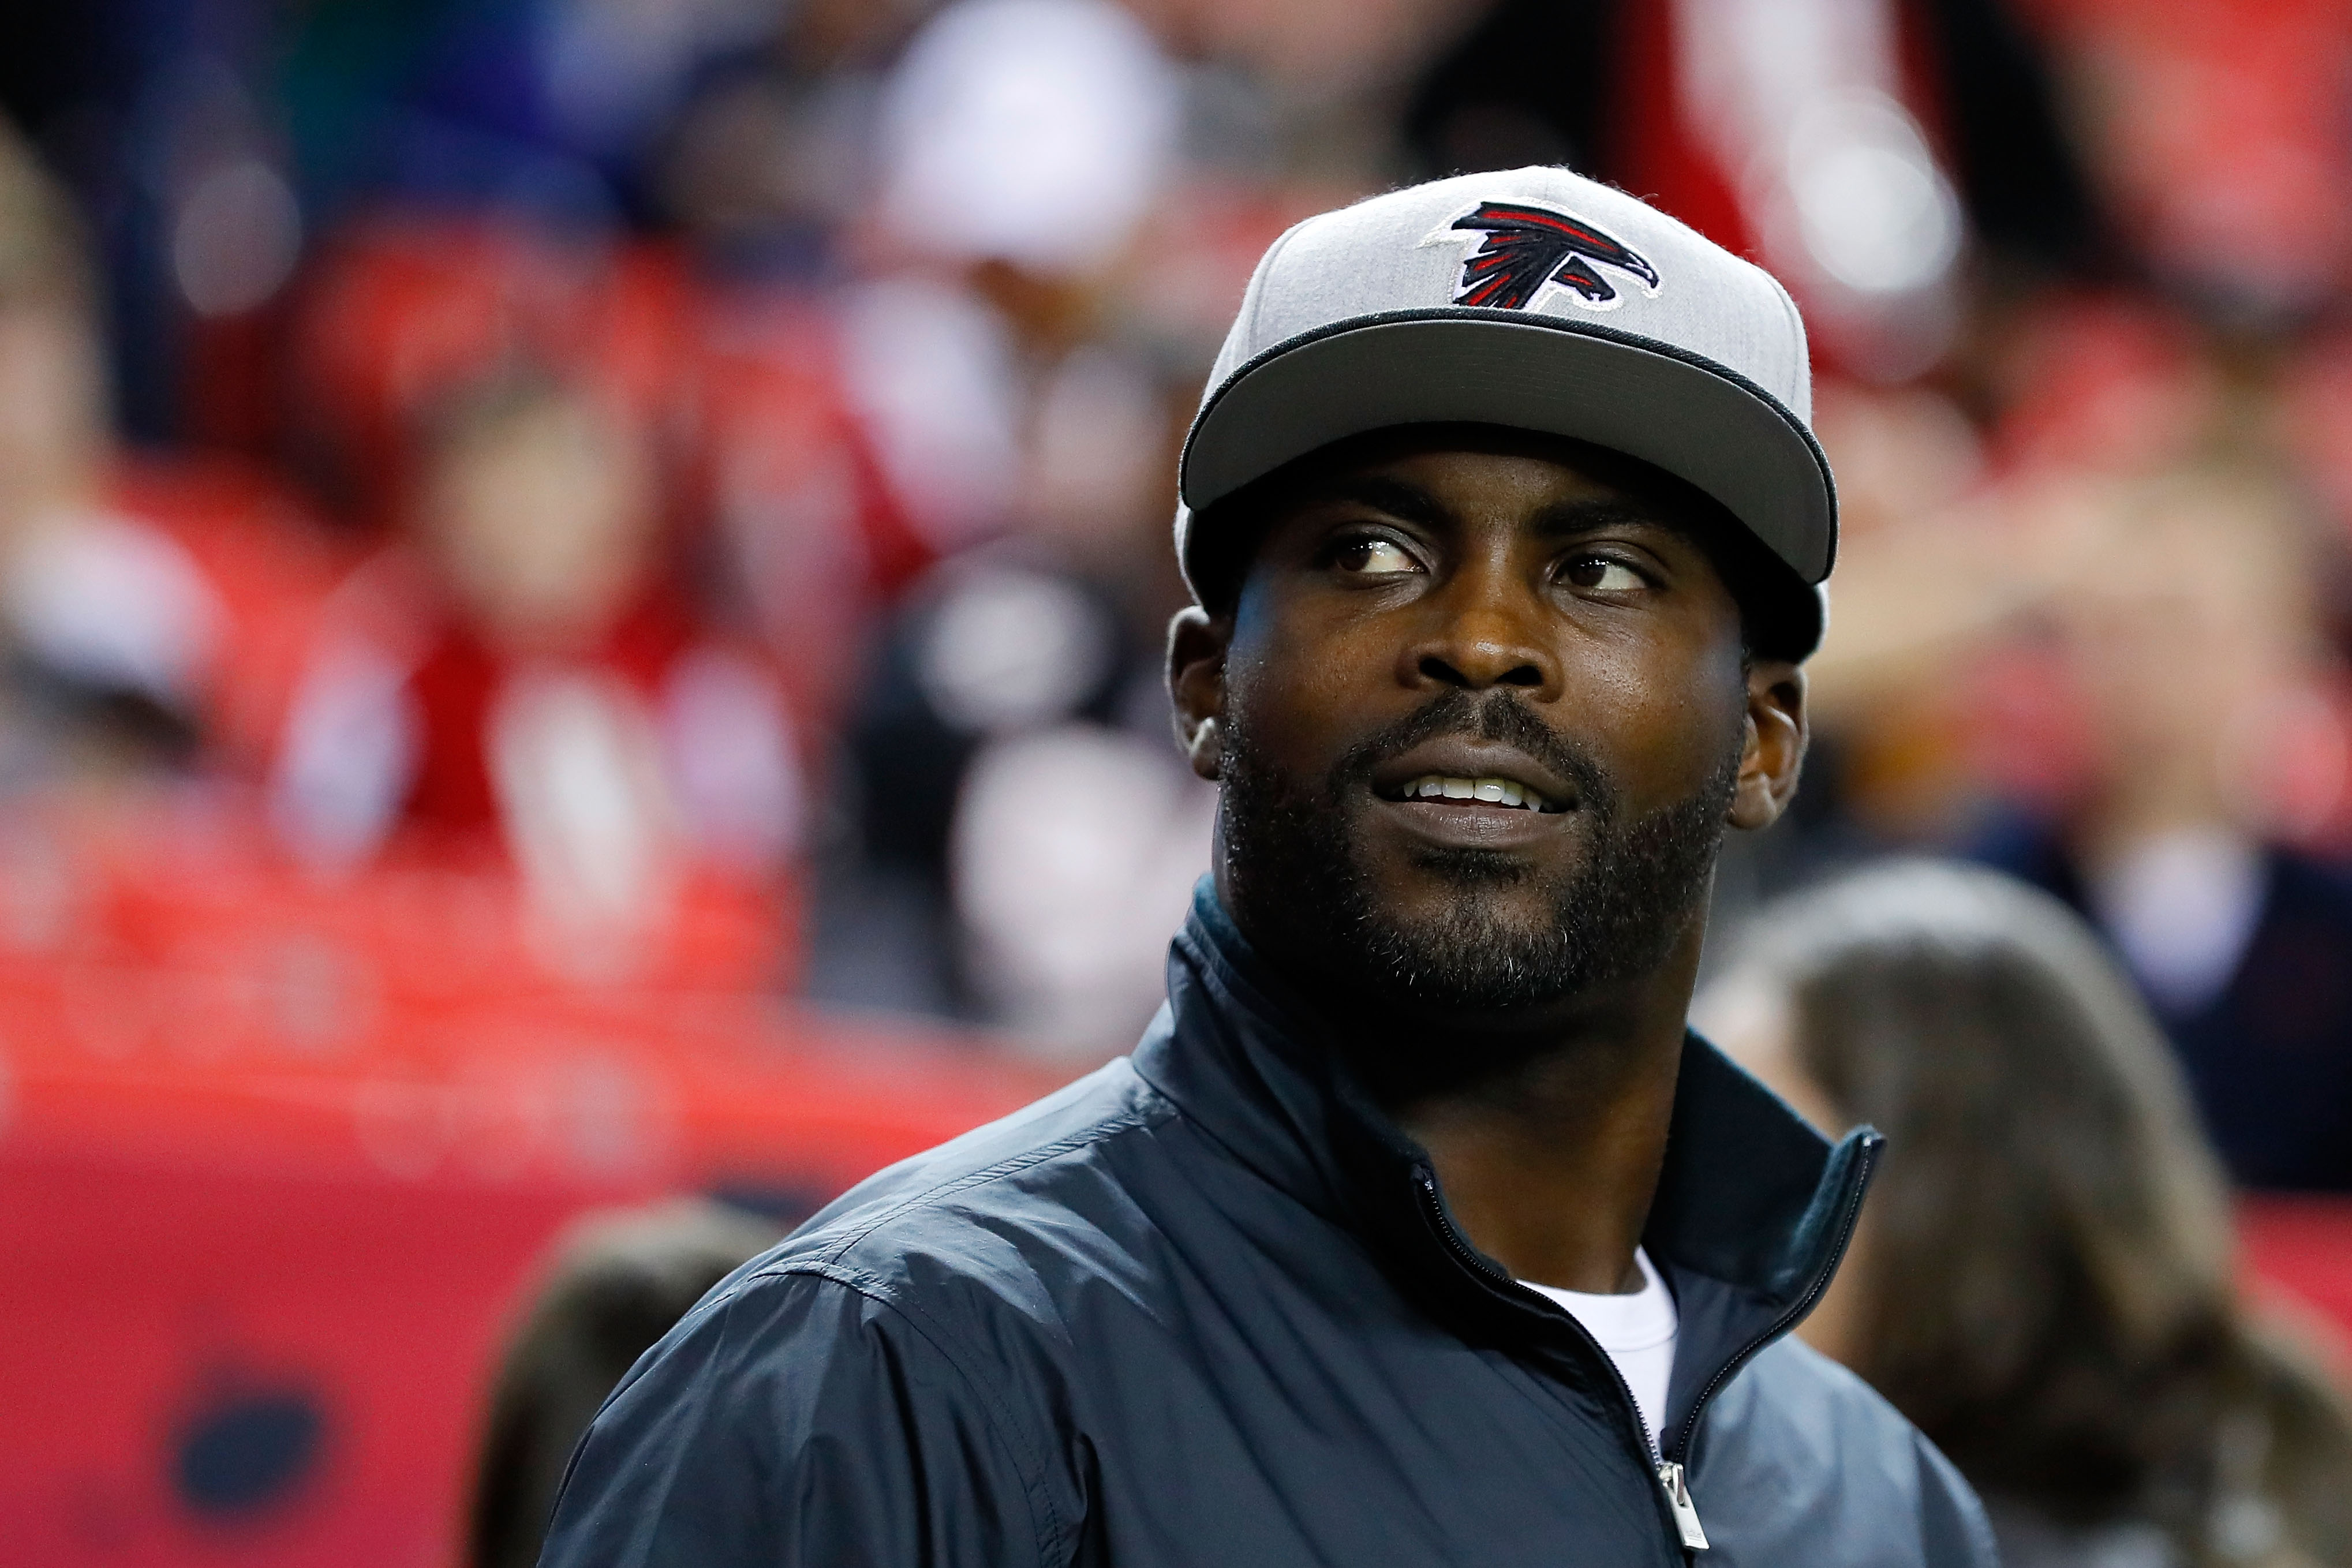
pixel 1953 1530
pixel 796 1421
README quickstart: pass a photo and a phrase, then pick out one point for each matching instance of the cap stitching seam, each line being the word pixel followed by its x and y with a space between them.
pixel 1257 289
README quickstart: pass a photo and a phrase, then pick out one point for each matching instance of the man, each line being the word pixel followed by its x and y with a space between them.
pixel 1417 1229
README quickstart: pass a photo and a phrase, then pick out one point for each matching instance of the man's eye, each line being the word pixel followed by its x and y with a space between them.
pixel 1599 574
pixel 1374 557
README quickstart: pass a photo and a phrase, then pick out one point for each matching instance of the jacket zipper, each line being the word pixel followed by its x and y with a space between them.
pixel 1671 1478
pixel 1803 1305
pixel 1678 1498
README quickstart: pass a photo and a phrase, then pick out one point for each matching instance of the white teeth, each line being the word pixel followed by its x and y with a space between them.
pixel 1493 791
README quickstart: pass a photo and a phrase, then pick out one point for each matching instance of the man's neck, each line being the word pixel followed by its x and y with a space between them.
pixel 1551 1162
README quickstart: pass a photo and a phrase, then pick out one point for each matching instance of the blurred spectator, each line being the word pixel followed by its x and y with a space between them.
pixel 1015 680
pixel 112 628
pixel 2190 636
pixel 139 601
pixel 521 670
pixel 2042 1277
pixel 1028 418
pixel 1019 674
pixel 616 1285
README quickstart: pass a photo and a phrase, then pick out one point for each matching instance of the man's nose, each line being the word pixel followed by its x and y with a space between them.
pixel 1483 633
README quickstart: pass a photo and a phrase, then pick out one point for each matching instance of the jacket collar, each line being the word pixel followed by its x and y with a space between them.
pixel 1753 1209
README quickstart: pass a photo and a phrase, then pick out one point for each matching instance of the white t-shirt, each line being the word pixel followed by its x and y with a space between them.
pixel 1637 1330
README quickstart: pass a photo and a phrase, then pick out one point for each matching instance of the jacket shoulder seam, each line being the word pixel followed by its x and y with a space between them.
pixel 1027 1159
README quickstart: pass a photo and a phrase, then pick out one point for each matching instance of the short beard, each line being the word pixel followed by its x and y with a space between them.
pixel 1290 853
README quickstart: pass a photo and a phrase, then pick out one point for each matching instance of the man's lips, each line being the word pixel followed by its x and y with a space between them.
pixel 1470 806
pixel 1459 771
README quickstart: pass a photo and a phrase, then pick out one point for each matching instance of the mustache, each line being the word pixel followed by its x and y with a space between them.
pixel 1497 716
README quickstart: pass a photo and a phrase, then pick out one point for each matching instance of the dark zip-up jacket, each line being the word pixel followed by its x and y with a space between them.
pixel 1206 1306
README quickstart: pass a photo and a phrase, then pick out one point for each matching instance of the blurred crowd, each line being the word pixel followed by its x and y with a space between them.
pixel 667 450
pixel 704 467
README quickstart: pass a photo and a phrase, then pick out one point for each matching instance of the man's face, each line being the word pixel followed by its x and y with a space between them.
pixel 1481 718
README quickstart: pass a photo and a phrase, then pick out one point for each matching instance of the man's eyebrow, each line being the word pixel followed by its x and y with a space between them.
pixel 1409 503
pixel 1568 520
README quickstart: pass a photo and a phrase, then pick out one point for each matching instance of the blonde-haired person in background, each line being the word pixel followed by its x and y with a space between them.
pixel 110 633
pixel 2042 1279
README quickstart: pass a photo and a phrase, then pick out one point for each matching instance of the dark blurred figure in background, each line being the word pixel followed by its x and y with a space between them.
pixel 2042 1279
pixel 2188 629
pixel 614 1287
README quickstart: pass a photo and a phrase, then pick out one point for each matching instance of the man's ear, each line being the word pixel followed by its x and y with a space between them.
pixel 1196 684
pixel 1774 750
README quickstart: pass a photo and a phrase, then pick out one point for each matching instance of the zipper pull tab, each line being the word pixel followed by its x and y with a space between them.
pixel 1678 1496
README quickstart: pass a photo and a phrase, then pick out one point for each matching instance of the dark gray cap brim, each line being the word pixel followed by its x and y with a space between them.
pixel 1697 420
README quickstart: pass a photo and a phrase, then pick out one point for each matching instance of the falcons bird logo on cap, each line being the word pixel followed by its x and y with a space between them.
pixel 1528 246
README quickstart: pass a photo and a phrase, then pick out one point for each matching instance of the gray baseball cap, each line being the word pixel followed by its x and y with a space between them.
pixel 1538 301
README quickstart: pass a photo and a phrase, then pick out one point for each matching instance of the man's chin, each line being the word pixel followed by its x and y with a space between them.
pixel 1465 946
